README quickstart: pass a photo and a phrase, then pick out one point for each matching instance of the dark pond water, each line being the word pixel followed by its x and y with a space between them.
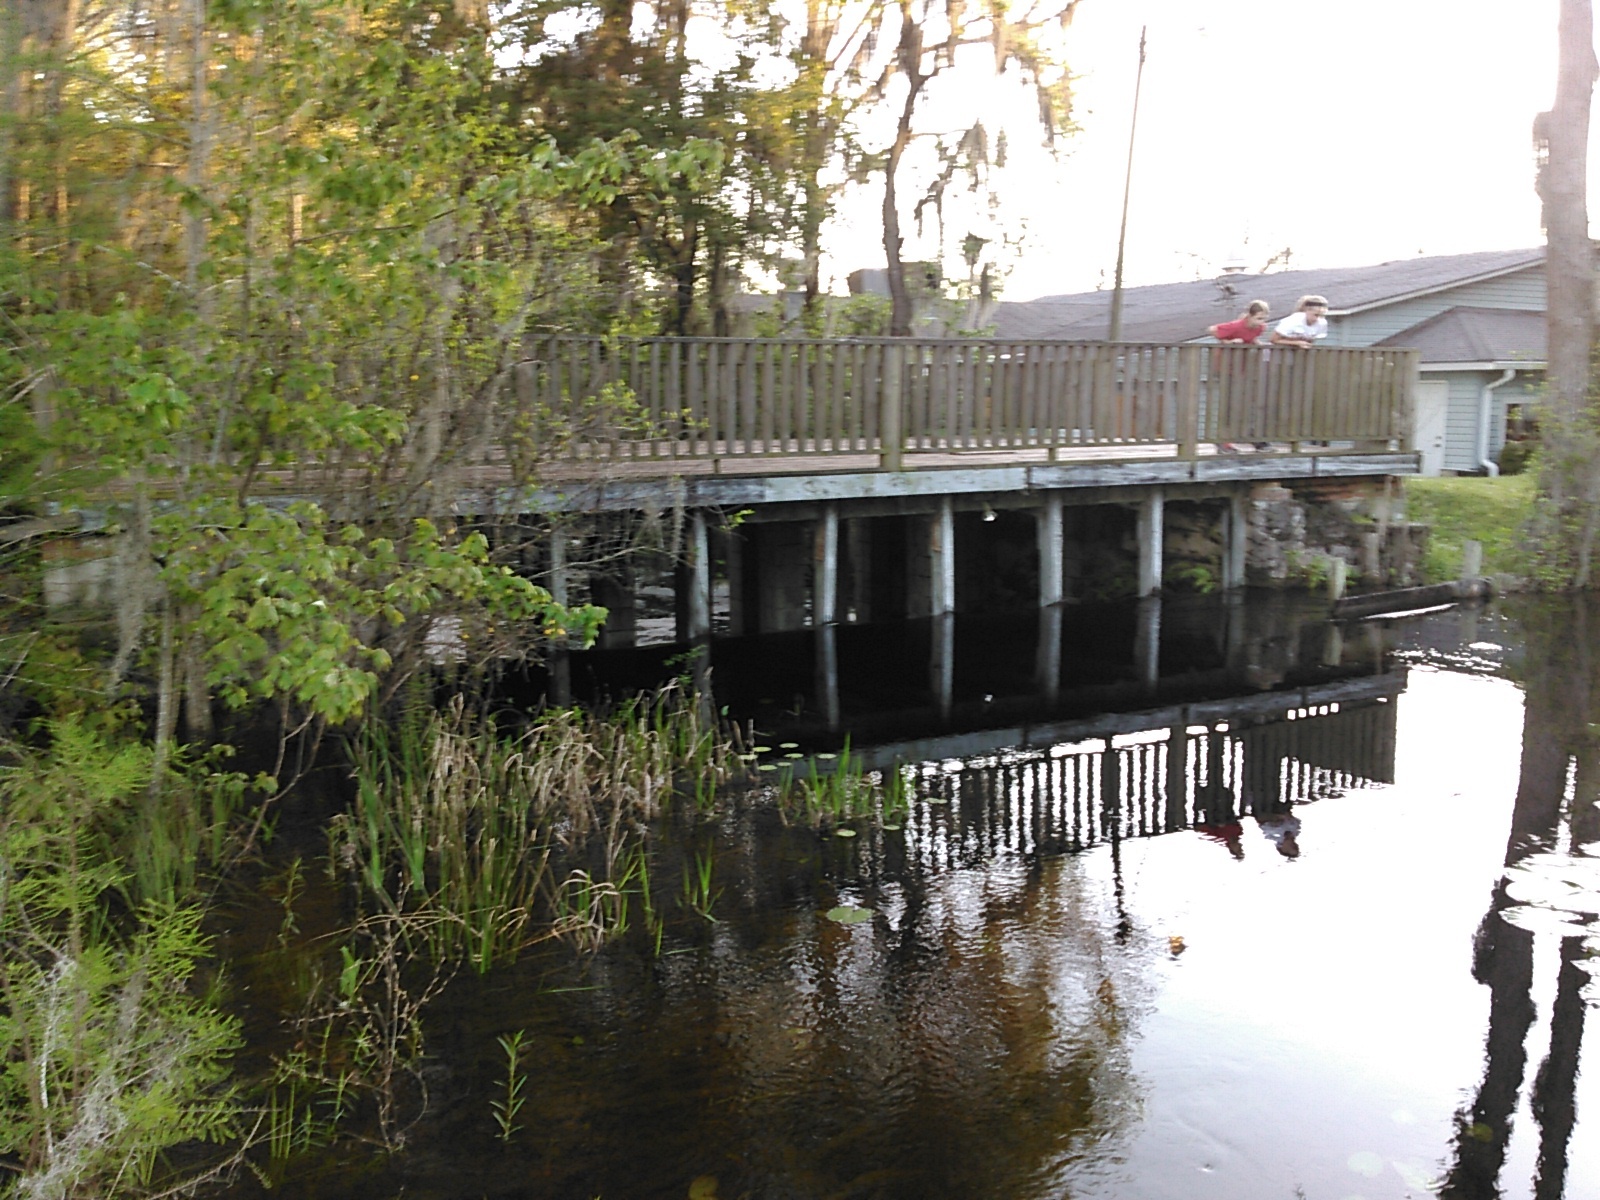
pixel 1211 902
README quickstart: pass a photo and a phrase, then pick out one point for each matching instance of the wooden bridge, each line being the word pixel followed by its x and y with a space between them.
pixel 858 467
pixel 761 405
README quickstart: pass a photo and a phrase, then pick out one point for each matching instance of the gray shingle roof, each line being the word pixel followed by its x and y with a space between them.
pixel 1477 335
pixel 1177 312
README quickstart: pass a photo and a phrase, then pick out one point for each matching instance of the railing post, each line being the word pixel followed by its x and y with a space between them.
pixel 1188 400
pixel 1405 414
pixel 891 440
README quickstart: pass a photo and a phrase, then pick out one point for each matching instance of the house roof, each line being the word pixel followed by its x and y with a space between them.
pixel 1477 335
pixel 1179 312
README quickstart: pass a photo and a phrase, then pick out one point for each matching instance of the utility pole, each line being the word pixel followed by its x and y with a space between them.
pixel 1115 332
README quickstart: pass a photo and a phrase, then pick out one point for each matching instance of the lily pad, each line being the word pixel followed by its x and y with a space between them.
pixel 849 914
pixel 844 832
pixel 794 754
pixel 937 800
pixel 827 756
pixel 788 745
pixel 760 749
pixel 891 829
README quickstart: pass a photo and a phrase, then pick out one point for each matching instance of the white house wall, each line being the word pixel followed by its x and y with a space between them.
pixel 1461 422
pixel 1519 290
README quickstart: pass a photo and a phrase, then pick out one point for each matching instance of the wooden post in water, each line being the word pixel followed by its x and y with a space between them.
pixel 699 579
pixel 1050 550
pixel 1337 570
pixel 825 567
pixel 1151 511
pixel 1235 541
pixel 943 552
pixel 1147 642
pixel 1047 668
pixel 1471 560
pixel 560 660
pixel 827 674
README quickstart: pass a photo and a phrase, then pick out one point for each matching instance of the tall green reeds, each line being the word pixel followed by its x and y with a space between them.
pixel 846 793
pixel 478 832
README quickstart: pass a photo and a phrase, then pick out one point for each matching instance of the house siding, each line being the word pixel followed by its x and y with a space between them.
pixel 1461 423
pixel 1520 290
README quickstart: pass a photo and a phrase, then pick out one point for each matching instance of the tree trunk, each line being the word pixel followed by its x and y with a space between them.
pixel 899 297
pixel 1570 478
pixel 1569 260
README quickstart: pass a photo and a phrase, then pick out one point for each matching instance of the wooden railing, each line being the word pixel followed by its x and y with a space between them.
pixel 721 398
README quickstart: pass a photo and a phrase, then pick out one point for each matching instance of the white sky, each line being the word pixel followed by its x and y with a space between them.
pixel 1353 132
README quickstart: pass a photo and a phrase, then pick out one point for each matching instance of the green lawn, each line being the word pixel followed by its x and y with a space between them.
pixel 1472 508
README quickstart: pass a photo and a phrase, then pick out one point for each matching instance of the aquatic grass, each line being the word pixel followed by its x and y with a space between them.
pixel 509 1103
pixel 846 793
pixel 699 893
pixel 467 821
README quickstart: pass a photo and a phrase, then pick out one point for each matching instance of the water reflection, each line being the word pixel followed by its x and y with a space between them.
pixel 1556 787
pixel 1167 917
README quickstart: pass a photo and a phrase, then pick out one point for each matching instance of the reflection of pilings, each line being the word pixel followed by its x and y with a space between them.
pixel 827 674
pixel 1047 669
pixel 942 662
pixel 1075 795
pixel 1147 642
pixel 1237 643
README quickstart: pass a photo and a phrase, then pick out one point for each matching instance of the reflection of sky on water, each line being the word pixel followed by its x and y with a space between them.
pixel 1323 1007
pixel 1014 1021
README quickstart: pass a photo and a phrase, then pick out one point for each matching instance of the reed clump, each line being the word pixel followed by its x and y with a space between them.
pixel 479 834
pixel 847 793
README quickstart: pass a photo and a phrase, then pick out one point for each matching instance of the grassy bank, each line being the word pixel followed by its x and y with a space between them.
pixel 1472 508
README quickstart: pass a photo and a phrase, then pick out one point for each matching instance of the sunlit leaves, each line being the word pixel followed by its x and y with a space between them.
pixel 289 606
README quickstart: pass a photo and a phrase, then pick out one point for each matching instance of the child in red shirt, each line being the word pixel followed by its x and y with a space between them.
pixel 1243 331
pixel 1246 329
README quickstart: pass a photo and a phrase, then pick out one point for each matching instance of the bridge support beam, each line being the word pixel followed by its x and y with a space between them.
pixel 1051 555
pixel 825 568
pixel 697 579
pixel 614 586
pixel 560 660
pixel 1151 533
pixel 1235 541
pixel 858 556
pixel 942 557
pixel 783 557
pixel 738 594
